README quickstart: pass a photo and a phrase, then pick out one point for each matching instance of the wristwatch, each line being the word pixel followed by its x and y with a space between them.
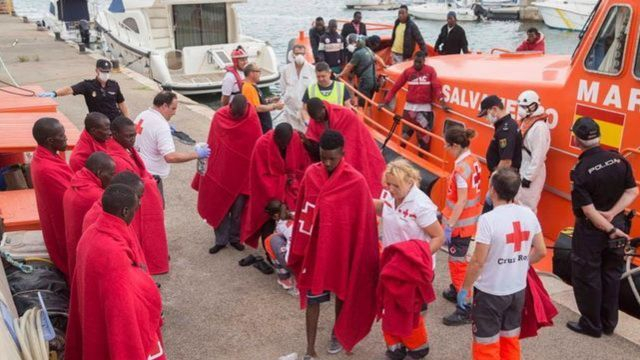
pixel 612 231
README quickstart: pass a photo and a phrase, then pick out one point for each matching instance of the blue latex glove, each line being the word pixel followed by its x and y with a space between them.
pixel 462 299
pixel 173 128
pixel 203 151
pixel 447 235
pixel 47 94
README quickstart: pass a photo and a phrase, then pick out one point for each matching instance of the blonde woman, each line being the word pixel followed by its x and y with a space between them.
pixel 408 214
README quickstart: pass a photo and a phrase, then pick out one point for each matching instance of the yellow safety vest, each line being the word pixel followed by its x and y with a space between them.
pixel 336 96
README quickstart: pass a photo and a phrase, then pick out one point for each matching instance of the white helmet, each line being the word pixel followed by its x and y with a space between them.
pixel 528 97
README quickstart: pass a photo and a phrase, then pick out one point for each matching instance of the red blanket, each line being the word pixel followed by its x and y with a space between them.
pixel 85 190
pixel 361 150
pixel 538 310
pixel 272 177
pixel 406 283
pixel 92 216
pixel 231 142
pixel 51 177
pixel 149 220
pixel 115 306
pixel 334 246
pixel 86 146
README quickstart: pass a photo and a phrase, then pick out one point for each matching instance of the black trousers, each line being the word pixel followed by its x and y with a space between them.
pixel 596 271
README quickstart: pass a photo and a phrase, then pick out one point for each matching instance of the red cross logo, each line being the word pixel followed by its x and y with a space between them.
pixel 517 237
pixel 306 218
pixel 139 127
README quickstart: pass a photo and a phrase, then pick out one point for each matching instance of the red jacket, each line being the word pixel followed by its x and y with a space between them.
pixel 536 46
pixel 424 86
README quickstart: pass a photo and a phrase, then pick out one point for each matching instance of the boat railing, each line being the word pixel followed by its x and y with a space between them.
pixel 383 130
pixel 132 37
pixel 371 26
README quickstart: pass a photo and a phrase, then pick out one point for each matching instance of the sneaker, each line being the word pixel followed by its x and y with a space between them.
pixel 286 283
pixel 334 345
pixel 293 292
pixel 459 317
pixel 450 294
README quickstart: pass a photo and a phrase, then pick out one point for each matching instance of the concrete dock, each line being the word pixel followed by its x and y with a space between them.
pixel 215 309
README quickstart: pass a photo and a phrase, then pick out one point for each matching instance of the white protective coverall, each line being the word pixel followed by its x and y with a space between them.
pixel 536 142
pixel 293 87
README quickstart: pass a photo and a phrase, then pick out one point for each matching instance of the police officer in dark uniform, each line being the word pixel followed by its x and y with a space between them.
pixel 505 149
pixel 100 93
pixel 603 186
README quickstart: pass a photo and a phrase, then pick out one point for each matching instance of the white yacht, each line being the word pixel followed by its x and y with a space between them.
pixel 372 4
pixel 63 17
pixel 565 14
pixel 185 45
pixel 437 10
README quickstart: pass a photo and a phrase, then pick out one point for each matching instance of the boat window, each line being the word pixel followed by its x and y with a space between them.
pixel 131 24
pixel 52 8
pixel 448 124
pixel 200 24
pixel 607 52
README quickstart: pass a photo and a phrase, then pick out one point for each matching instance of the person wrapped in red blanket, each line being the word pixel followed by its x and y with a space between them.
pixel 86 188
pixel 115 306
pixel 360 149
pixel 149 221
pixel 538 310
pixel 224 187
pixel 97 130
pixel 334 246
pixel 51 176
pixel 406 285
pixel 278 163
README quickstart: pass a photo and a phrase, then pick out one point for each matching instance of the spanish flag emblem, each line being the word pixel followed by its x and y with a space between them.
pixel 611 125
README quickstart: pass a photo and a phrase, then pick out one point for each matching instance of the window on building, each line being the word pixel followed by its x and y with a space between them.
pixel 607 52
pixel 200 24
pixel 131 24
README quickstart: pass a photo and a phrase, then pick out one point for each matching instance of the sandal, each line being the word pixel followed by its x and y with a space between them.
pixel 249 260
pixel 263 267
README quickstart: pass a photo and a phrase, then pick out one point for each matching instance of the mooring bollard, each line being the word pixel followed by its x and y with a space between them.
pixel 82 48
pixel 57 35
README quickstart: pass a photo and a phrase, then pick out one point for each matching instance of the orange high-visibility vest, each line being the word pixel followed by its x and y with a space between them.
pixel 469 170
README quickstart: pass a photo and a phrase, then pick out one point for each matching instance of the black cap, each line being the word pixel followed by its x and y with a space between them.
pixel 103 65
pixel 488 103
pixel 586 129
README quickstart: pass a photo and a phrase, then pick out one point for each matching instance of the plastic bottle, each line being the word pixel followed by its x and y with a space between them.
pixel 202 163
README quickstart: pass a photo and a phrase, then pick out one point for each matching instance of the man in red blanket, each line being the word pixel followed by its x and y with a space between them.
pixel 149 221
pixel 406 285
pixel 224 187
pixel 334 247
pixel 86 188
pixel 115 306
pixel 278 163
pixel 360 149
pixel 125 178
pixel 94 137
pixel 51 177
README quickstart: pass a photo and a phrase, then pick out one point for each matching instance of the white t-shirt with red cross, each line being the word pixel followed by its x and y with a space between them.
pixel 509 231
pixel 407 220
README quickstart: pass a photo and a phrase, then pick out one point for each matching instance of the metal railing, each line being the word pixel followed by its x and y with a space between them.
pixel 382 129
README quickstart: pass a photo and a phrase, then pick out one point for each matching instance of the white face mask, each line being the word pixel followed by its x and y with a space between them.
pixel 522 112
pixel 351 47
pixel 492 118
pixel 102 76
pixel 299 59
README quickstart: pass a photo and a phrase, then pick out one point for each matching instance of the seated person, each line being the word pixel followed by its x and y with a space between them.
pixel 278 244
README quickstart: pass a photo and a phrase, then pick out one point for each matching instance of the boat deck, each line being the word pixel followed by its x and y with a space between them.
pixel 208 78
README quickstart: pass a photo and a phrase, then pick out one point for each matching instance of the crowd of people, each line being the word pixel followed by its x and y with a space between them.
pixel 283 189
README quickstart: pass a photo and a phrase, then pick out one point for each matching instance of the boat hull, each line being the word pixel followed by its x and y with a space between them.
pixel 372 4
pixel 438 12
pixel 563 19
